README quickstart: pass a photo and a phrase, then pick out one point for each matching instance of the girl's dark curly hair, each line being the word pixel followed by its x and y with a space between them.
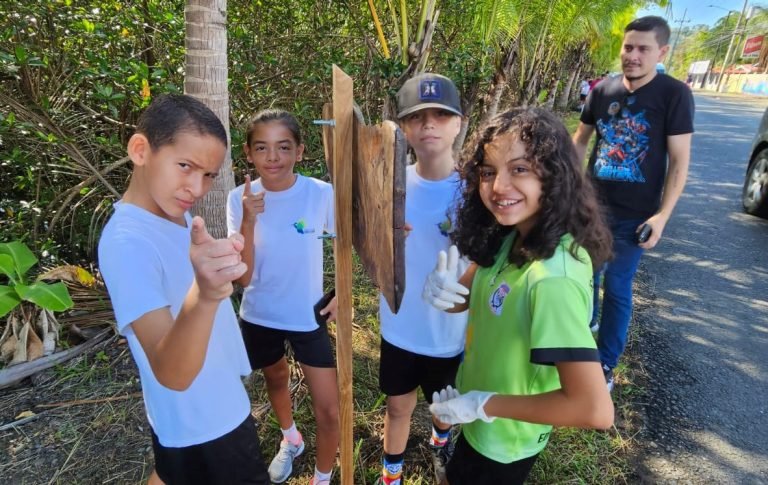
pixel 568 200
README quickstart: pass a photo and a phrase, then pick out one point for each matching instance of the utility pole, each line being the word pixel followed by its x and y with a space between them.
pixel 714 58
pixel 677 38
pixel 730 46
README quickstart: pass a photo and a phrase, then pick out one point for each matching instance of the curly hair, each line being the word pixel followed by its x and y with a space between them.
pixel 568 203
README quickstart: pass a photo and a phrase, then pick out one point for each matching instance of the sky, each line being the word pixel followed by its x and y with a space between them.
pixel 696 11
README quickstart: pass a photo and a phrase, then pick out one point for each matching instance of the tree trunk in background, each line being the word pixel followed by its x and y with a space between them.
pixel 205 78
pixel 497 89
pixel 552 93
pixel 565 95
pixel 467 107
pixel 148 54
pixel 500 80
pixel 531 90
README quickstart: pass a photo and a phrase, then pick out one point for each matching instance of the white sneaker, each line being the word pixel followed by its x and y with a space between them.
pixel 282 464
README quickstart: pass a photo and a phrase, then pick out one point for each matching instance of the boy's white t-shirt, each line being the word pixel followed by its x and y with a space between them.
pixel 418 327
pixel 144 260
pixel 288 253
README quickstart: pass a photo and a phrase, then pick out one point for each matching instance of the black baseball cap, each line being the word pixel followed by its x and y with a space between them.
pixel 428 91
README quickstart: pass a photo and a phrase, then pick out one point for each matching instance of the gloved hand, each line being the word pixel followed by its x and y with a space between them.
pixel 451 407
pixel 442 289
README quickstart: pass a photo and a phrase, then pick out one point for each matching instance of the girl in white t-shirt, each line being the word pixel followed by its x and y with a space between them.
pixel 281 216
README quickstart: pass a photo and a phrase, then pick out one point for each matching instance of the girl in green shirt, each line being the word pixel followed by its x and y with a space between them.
pixel 530 222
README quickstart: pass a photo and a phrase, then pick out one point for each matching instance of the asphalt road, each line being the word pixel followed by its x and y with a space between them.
pixel 705 333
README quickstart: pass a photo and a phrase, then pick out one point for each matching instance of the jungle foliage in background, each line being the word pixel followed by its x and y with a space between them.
pixel 76 75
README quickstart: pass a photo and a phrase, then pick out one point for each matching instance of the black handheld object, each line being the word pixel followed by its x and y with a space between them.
pixel 643 234
pixel 322 303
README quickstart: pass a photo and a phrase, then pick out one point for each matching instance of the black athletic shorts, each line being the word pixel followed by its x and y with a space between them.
pixel 265 346
pixel 468 467
pixel 401 371
pixel 234 458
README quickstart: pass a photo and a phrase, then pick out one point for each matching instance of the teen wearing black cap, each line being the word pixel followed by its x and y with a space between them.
pixel 422 346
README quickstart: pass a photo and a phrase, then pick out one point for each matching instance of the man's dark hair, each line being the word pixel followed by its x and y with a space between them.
pixel 658 25
pixel 172 114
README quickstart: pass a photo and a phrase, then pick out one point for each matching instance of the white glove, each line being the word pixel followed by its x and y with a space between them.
pixel 451 407
pixel 442 289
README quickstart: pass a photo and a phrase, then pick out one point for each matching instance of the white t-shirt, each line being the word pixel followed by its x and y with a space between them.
pixel 288 253
pixel 418 327
pixel 584 88
pixel 145 263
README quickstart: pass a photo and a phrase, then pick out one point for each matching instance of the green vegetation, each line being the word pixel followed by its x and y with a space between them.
pixel 15 262
pixel 77 74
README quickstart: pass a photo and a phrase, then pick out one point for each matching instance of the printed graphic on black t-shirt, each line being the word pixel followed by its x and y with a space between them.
pixel 629 160
pixel 623 144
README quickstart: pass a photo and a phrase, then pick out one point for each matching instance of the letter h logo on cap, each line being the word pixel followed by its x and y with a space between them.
pixel 429 89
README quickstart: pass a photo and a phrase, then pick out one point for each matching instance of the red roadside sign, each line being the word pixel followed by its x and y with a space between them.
pixel 752 46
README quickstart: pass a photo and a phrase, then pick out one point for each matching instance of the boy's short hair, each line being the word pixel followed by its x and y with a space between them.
pixel 171 114
pixel 428 91
pixel 658 25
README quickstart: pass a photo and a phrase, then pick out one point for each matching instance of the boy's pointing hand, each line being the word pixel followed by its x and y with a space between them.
pixel 216 261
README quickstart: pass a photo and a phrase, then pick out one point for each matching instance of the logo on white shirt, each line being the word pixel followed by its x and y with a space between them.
pixel 301 227
pixel 446 227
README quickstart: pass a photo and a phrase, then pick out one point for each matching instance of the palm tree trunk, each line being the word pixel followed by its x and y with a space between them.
pixel 531 90
pixel 552 92
pixel 573 87
pixel 205 78
pixel 500 79
pixel 565 96
pixel 497 89
pixel 467 107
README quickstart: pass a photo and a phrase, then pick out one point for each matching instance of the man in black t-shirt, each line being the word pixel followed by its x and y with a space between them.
pixel 643 119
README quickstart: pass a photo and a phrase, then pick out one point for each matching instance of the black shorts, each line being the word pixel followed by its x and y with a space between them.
pixel 401 371
pixel 265 346
pixel 468 467
pixel 582 97
pixel 229 459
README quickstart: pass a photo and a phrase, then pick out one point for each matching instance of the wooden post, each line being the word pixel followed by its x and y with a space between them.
pixel 342 187
pixel 367 167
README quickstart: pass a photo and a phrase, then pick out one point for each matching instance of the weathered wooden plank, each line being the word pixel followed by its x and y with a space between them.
pixel 379 206
pixel 378 201
pixel 342 185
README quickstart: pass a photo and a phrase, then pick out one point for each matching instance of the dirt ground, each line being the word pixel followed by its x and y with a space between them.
pixel 90 424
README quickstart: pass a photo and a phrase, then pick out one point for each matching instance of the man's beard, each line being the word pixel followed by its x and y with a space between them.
pixel 636 77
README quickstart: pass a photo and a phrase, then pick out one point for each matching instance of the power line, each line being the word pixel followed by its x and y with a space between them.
pixel 677 38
